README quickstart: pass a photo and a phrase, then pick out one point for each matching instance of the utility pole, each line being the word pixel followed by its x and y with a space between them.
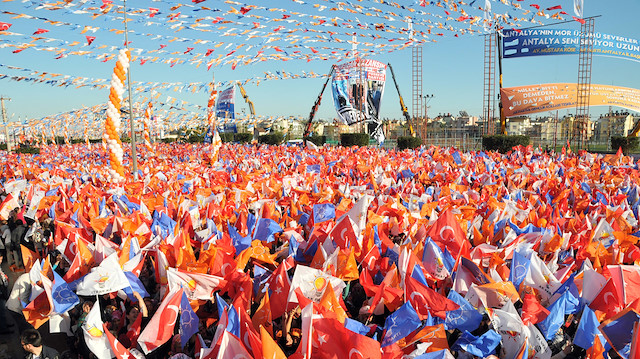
pixel 134 156
pixel 6 124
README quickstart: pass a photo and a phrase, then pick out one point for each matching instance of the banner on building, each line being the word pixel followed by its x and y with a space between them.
pixel 523 100
pixel 357 88
pixel 538 42
pixel 226 103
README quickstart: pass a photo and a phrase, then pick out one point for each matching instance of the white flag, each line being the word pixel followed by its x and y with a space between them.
pixel 94 335
pixel 312 283
pixel 106 278
pixel 578 8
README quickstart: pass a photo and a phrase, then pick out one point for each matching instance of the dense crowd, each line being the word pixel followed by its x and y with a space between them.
pixel 330 252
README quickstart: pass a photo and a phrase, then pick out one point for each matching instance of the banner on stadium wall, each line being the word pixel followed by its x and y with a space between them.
pixel 538 42
pixel 226 103
pixel 357 88
pixel 523 100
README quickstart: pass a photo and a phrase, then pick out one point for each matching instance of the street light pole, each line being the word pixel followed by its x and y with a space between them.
pixel 425 125
pixel 6 124
pixel 134 156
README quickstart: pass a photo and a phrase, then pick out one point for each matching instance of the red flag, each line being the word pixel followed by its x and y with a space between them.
pixel 209 51
pixel 343 233
pixel 117 348
pixel 279 285
pixel 245 10
pixel 153 11
pixel 332 340
pixel 446 231
pixel 90 39
pixel 425 299
pixel 557 7
pixel 197 1
pixel 160 327
pixel 536 6
pixel 532 311
pixel 579 20
pixel 40 31
pixel 189 49
pixel 134 331
pixel 4 26
pixel 607 300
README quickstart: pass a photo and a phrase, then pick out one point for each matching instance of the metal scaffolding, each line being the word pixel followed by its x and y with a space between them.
pixel 581 123
pixel 416 85
pixel 488 96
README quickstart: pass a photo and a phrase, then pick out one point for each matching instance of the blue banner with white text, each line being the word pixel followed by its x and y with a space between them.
pixel 540 42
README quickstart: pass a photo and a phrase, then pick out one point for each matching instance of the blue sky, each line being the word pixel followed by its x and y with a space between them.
pixel 453 66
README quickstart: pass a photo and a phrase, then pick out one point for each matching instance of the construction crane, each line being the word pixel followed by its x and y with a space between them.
pixel 251 110
pixel 246 99
pixel 314 109
pixel 402 105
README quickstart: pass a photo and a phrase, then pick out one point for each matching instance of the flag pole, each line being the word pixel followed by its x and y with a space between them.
pixel 134 156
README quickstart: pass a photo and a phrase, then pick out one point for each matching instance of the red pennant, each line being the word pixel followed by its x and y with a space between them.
pixel 557 7
pixel 189 49
pixel 90 39
pixel 579 20
pixel 4 26
pixel 209 51
pixel 153 11
pixel 40 31
pixel 245 10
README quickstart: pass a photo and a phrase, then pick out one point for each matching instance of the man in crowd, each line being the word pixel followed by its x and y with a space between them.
pixel 32 344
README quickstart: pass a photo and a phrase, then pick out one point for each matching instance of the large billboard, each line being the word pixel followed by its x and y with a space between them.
pixel 523 100
pixel 539 42
pixel 357 89
pixel 226 103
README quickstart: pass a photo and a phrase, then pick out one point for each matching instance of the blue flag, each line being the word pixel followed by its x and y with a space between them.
pixel 519 269
pixel 550 325
pixel 400 324
pixel 221 304
pixel 233 321
pixel 323 212
pixel 241 243
pixel 63 297
pixel 265 229
pixel 260 276
pixel 587 329
pixel 356 327
pixel 162 224
pixel 135 285
pixel 189 321
pixel 481 346
pixel 465 318
pixel 619 331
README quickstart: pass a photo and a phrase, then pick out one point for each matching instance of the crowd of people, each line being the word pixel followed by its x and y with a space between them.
pixel 330 252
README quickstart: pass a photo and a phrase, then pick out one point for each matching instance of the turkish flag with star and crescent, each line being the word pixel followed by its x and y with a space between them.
pixel 332 340
pixel 160 327
pixel 446 232
pixel 119 351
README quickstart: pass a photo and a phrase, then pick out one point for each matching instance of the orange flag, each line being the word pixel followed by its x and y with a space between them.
pixel 37 312
pixel 436 335
pixel 347 266
pixel 28 257
pixel 270 348
pixel 262 317
pixel 330 303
